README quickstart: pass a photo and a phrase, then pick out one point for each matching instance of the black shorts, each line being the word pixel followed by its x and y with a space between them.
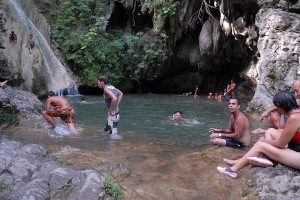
pixel 233 143
pixel 294 146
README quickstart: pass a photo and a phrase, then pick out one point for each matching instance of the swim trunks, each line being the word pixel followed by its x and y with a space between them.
pixel 66 114
pixel 30 46
pixel 233 143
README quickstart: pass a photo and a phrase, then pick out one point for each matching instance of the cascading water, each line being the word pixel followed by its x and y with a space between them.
pixel 58 78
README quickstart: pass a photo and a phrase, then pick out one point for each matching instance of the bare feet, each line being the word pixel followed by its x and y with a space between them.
pixel 230 162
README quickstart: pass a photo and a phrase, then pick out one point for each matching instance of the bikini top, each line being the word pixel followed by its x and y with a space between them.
pixel 296 138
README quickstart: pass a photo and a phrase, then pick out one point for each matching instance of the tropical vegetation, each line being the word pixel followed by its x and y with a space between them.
pixel 79 26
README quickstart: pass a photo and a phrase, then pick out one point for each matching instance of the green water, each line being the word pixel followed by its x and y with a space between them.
pixel 142 118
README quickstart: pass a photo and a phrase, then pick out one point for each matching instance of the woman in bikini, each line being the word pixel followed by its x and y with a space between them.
pixel 283 148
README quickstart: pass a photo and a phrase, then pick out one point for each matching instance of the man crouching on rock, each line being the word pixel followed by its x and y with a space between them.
pixel 61 108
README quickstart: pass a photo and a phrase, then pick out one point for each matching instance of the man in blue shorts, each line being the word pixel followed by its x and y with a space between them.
pixel 238 133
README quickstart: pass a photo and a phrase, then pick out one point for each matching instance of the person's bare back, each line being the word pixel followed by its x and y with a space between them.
pixel 61 108
pixel 59 101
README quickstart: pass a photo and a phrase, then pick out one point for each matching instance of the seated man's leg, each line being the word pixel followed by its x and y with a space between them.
pixel 233 143
pixel 218 141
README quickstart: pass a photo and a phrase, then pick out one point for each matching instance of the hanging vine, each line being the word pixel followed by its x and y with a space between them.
pixel 198 16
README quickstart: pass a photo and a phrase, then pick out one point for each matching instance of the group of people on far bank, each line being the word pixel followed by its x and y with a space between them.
pixel 281 141
pixel 229 92
pixel 29 44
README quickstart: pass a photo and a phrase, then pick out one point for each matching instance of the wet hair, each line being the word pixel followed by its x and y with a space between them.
pixel 104 79
pixel 285 100
pixel 237 100
pixel 178 112
pixel 51 94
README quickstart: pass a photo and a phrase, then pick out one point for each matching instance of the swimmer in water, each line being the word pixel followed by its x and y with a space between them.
pixel 177 116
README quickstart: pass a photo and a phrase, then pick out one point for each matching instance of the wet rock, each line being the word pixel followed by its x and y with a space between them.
pixel 29 172
pixel 25 102
pixel 278 182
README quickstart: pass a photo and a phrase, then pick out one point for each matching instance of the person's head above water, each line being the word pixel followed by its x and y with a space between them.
pixel 177 115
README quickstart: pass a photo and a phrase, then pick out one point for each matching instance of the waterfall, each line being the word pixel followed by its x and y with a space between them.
pixel 58 78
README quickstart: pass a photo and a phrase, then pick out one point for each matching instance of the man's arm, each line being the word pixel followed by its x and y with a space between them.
pixel 120 96
pixel 266 114
pixel 218 132
pixel 48 104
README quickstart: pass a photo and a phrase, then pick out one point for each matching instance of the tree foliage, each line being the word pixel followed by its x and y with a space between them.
pixel 91 52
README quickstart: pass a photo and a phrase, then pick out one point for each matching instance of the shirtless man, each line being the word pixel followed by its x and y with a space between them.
pixel 230 94
pixel 30 43
pixel 61 108
pixel 13 37
pixel 238 134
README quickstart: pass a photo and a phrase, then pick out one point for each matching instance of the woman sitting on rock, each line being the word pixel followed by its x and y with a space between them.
pixel 283 148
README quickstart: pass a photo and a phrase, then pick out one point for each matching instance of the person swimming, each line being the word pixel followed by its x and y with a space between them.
pixel 177 116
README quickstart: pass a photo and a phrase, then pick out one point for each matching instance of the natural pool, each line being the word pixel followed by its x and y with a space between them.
pixel 158 154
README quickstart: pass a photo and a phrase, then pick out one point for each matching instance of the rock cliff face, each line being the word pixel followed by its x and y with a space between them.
pixel 206 54
pixel 32 72
pixel 278 53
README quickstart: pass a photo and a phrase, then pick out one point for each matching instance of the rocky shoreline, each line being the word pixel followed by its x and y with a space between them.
pixel 30 172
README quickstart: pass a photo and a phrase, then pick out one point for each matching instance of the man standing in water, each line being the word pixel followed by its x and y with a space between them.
pixel 238 134
pixel 61 108
pixel 112 97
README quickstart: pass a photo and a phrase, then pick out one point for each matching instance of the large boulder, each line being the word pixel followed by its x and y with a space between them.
pixel 29 172
pixel 279 50
pixel 26 103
